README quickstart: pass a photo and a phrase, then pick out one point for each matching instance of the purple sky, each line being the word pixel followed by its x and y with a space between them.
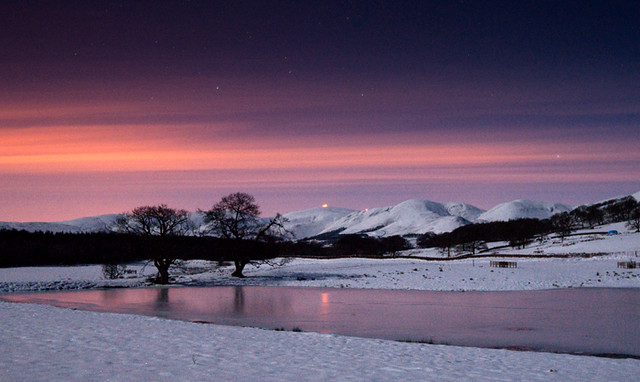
pixel 108 105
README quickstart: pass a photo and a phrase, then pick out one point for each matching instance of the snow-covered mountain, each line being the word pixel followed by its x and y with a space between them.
pixel 519 209
pixel 411 216
pixel 307 223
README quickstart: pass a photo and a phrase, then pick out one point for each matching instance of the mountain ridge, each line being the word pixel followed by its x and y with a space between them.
pixel 413 216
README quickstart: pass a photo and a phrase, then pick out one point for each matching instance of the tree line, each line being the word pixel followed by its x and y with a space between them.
pixel 472 238
pixel 625 209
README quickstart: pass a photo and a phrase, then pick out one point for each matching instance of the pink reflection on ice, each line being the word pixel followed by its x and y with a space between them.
pixel 593 320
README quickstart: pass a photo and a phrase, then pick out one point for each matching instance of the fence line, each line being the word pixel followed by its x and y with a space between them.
pixel 628 264
pixel 503 264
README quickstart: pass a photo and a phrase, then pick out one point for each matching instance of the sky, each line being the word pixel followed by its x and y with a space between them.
pixel 110 105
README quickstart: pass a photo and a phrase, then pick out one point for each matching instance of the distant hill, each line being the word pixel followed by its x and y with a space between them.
pixel 413 216
pixel 519 209
pixel 99 223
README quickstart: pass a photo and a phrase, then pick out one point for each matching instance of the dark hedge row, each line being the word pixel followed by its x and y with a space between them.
pixel 362 245
pixel 21 248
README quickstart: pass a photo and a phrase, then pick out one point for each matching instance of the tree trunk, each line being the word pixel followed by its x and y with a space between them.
pixel 163 271
pixel 239 268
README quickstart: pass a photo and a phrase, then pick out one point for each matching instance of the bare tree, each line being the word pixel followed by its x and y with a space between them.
pixel 580 215
pixel 113 271
pixel 472 246
pixel 160 223
pixel 237 216
pixel 563 224
pixel 634 219
pixel 594 215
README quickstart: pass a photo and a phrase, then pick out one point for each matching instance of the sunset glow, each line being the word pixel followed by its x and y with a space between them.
pixel 365 113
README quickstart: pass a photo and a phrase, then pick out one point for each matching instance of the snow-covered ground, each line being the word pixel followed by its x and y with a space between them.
pixel 457 275
pixel 47 343
pixel 43 343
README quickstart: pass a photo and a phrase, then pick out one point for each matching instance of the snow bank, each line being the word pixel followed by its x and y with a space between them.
pixel 23 279
pixel 43 343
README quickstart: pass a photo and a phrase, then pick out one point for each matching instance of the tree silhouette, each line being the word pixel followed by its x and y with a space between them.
pixel 634 220
pixel 563 224
pixel 160 225
pixel 237 216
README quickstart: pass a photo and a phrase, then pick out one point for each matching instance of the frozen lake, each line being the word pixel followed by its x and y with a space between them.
pixel 582 321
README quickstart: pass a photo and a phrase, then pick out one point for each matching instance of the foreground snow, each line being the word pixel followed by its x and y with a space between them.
pixel 42 343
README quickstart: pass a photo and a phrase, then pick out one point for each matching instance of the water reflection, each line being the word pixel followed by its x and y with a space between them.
pixel 238 301
pixel 570 320
pixel 163 297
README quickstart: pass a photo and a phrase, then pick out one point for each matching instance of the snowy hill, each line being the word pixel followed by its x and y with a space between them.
pixel 40 226
pixel 636 196
pixel 307 223
pixel 99 223
pixel 411 216
pixel 519 209
pixel 463 210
